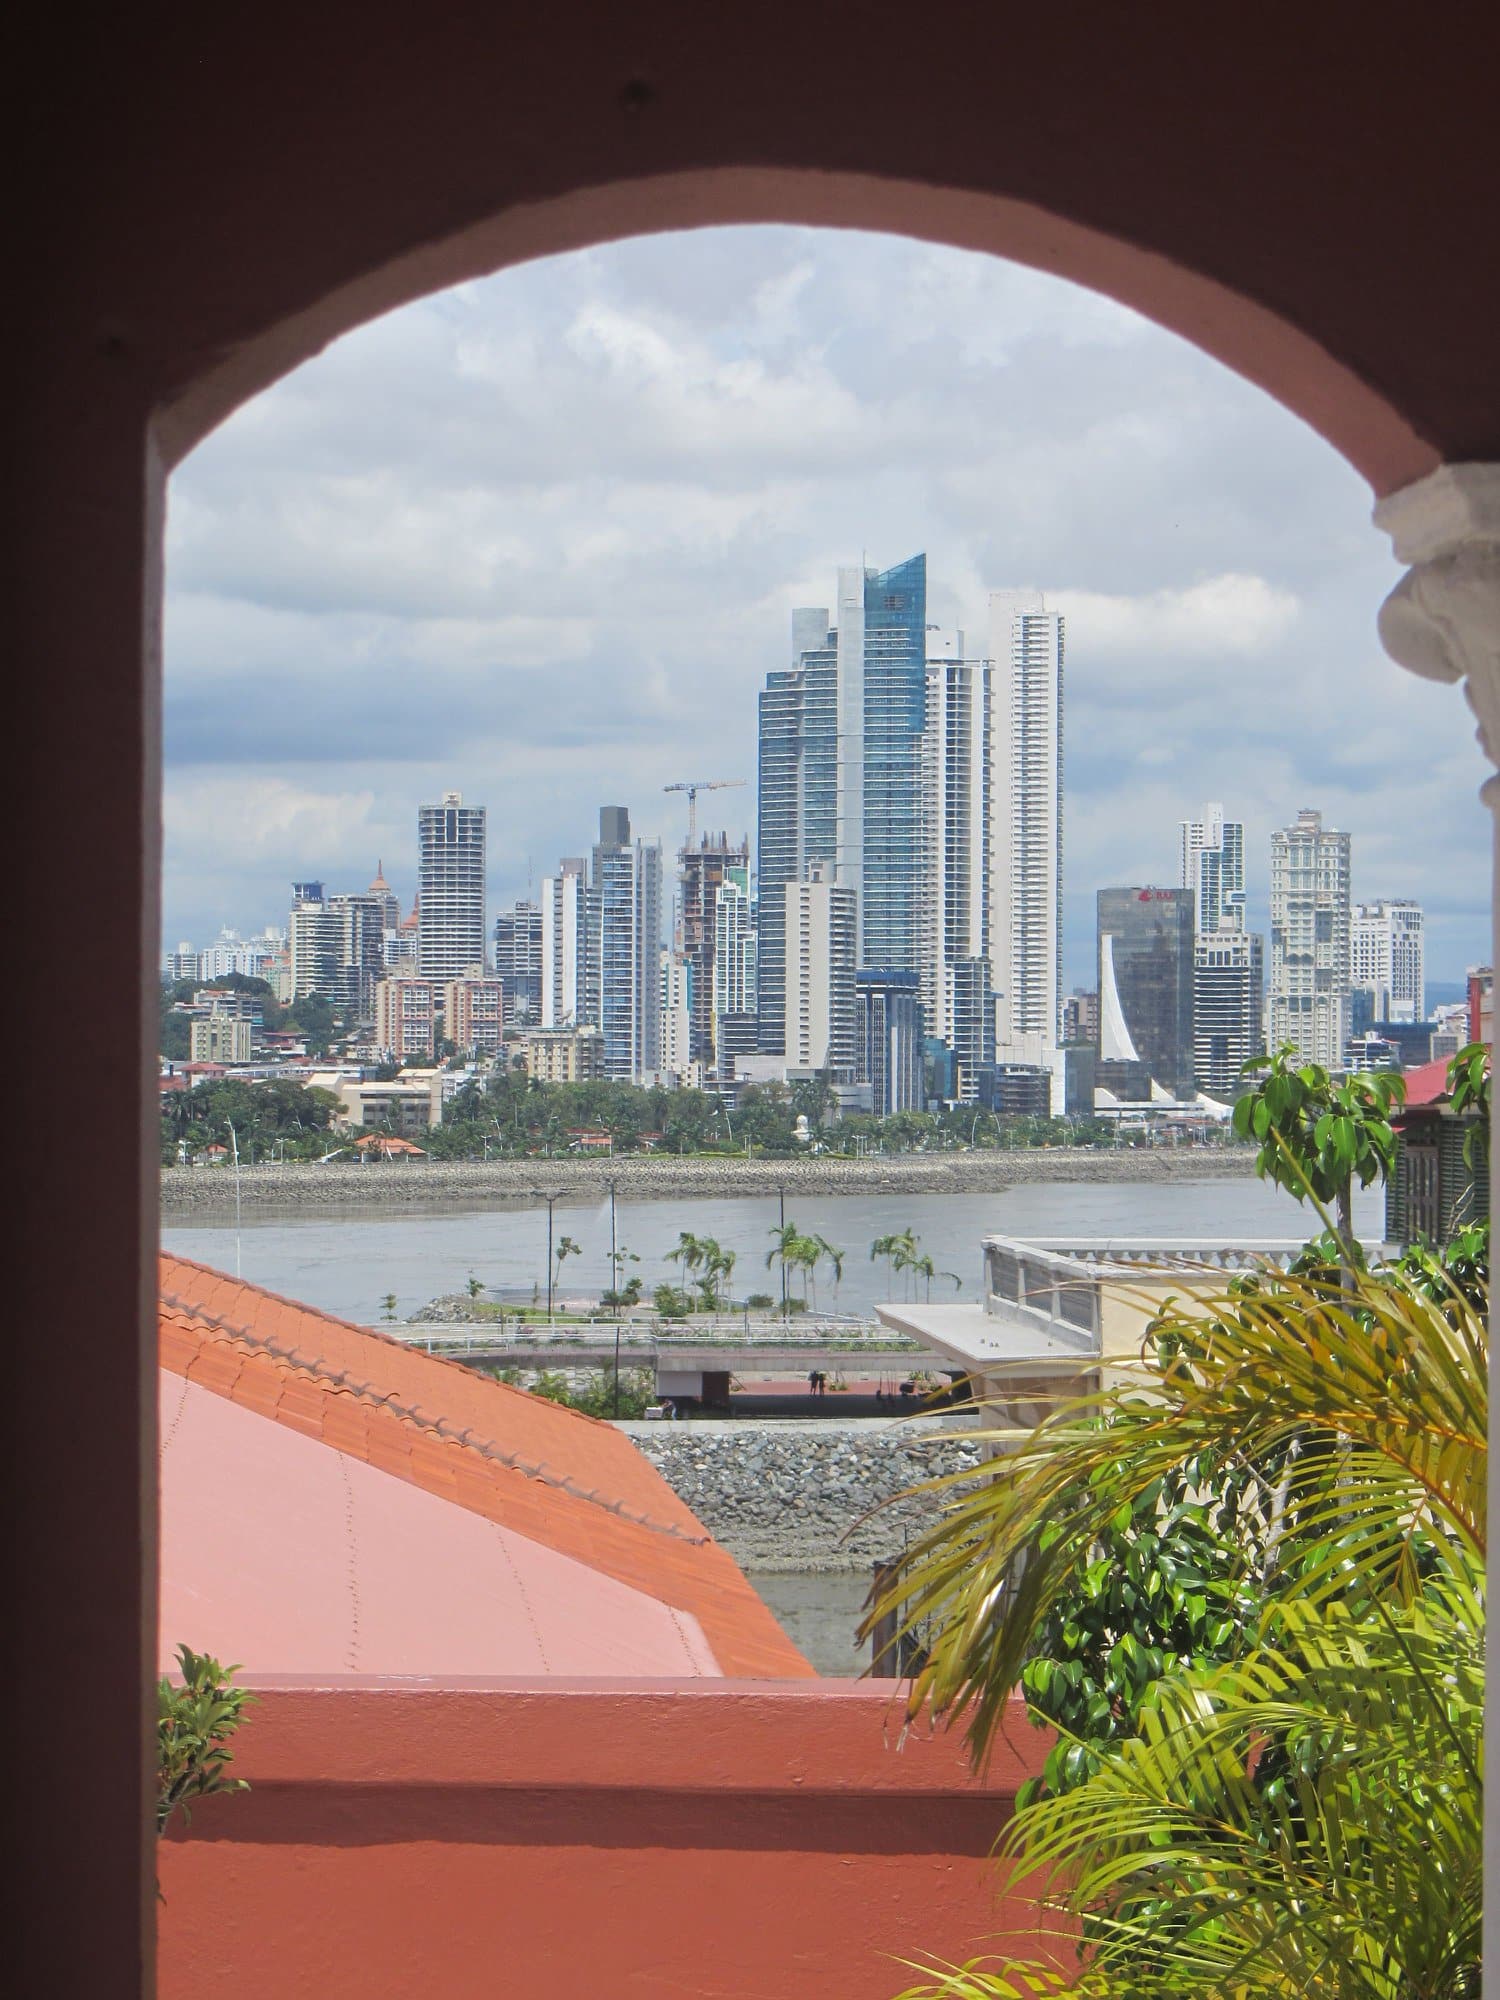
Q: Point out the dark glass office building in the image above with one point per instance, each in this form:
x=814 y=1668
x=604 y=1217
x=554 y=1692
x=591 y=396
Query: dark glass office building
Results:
x=1146 y=991
x=889 y=1026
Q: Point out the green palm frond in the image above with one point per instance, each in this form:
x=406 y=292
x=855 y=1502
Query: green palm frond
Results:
x=1391 y=1381
x=1355 y=1872
x=1303 y=1817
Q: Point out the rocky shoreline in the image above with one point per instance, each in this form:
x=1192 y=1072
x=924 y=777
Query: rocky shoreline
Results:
x=500 y=1183
x=788 y=1495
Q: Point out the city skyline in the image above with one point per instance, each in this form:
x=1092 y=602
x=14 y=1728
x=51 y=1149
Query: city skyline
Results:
x=599 y=486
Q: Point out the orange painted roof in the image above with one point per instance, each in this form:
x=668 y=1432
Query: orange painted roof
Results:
x=562 y=1479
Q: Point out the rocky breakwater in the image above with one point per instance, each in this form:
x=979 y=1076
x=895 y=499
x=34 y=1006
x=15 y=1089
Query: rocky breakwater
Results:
x=798 y=1495
x=341 y=1184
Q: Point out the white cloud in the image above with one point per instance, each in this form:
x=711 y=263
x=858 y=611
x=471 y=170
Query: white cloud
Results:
x=1224 y=617
x=539 y=538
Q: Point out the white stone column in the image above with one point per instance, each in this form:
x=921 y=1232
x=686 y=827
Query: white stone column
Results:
x=1443 y=621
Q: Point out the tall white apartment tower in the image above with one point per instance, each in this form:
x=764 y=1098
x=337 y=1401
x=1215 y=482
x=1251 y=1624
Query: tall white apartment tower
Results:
x=450 y=840
x=1387 y=959
x=565 y=938
x=822 y=930
x=1310 y=924
x=1026 y=816
x=624 y=951
x=1212 y=865
x=957 y=752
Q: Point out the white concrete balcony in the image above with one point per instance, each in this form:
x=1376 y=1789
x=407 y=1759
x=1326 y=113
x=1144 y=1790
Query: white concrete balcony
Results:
x=1054 y=1306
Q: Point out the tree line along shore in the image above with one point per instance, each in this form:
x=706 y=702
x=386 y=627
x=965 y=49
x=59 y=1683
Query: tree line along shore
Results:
x=437 y=1183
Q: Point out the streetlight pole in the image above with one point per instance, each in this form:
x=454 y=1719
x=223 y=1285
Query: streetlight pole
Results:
x=614 y=1285
x=234 y=1147
x=781 y=1198
x=542 y=1195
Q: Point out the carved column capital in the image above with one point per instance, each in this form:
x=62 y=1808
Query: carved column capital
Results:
x=1443 y=618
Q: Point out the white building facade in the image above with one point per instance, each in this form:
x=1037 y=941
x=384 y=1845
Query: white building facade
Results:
x=734 y=951
x=1387 y=960
x=450 y=844
x=623 y=985
x=677 y=970
x=1309 y=1005
x=565 y=934
x=822 y=940
x=957 y=761
x=1026 y=825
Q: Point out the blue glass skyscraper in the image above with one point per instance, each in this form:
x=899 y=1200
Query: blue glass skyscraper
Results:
x=841 y=772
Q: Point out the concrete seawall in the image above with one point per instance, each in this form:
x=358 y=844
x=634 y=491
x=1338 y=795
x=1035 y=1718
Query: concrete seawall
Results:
x=497 y=1183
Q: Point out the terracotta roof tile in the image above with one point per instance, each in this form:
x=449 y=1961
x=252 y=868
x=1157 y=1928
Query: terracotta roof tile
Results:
x=562 y=1479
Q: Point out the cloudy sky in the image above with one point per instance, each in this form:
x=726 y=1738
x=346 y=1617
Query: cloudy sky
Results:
x=539 y=539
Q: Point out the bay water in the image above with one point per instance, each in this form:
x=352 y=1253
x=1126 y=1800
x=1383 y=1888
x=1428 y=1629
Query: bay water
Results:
x=348 y=1261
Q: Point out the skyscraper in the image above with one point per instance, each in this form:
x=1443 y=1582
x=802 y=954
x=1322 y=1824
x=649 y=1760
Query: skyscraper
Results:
x=1212 y=865
x=565 y=947
x=677 y=979
x=840 y=773
x=1386 y=959
x=450 y=837
x=888 y=1027
x=702 y=871
x=969 y=999
x=1228 y=962
x=1310 y=922
x=1146 y=991
x=1228 y=1006
x=734 y=976
x=390 y=901
x=518 y=962
x=1026 y=645
x=821 y=940
x=956 y=775
x=337 y=946
x=624 y=939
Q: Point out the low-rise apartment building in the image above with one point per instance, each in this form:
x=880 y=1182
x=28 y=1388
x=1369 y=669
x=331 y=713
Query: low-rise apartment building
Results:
x=405 y=1017
x=474 y=1014
x=219 y=1038
x=564 y=1055
x=412 y=1103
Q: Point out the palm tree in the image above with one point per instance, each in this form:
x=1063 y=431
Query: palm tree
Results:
x=566 y=1247
x=893 y=1248
x=833 y=1257
x=689 y=1253
x=717 y=1263
x=1301 y=1815
x=785 y=1250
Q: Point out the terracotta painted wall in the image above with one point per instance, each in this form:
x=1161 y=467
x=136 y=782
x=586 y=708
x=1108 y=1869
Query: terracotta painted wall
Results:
x=744 y=1841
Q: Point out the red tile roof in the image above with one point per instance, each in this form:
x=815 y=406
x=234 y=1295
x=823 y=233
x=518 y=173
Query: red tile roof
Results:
x=1426 y=1084
x=564 y=1480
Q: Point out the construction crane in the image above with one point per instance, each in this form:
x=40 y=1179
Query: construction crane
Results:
x=693 y=787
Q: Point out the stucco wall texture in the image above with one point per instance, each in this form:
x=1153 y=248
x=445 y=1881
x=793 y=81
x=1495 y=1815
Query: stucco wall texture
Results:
x=576 y=1841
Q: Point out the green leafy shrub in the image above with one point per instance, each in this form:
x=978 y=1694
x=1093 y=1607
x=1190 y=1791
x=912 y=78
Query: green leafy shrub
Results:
x=194 y=1725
